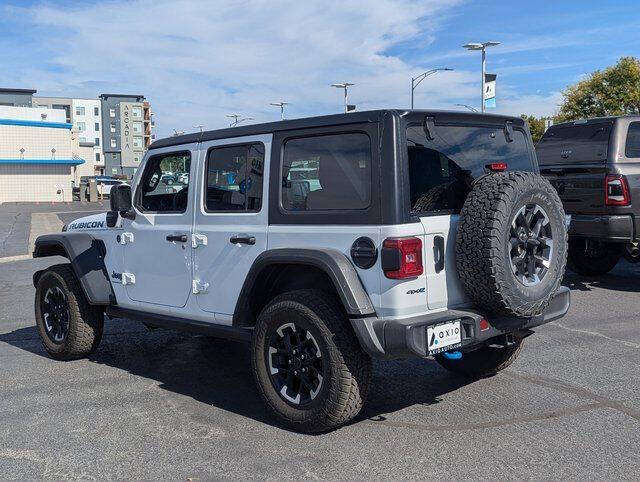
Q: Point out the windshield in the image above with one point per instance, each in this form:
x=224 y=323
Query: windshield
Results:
x=443 y=165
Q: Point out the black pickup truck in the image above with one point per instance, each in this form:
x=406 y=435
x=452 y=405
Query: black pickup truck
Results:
x=595 y=167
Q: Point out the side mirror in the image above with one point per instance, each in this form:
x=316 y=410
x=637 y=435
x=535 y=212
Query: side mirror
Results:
x=120 y=198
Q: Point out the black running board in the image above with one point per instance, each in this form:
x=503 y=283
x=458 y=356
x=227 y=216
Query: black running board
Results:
x=182 y=324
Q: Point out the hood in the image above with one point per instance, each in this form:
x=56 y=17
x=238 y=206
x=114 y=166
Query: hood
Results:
x=96 y=222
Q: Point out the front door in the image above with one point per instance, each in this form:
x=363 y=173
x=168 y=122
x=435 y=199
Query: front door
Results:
x=157 y=243
x=230 y=219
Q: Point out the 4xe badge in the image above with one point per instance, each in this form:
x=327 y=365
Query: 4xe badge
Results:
x=444 y=337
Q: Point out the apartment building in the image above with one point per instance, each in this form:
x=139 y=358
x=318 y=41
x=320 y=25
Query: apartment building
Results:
x=126 y=133
x=86 y=117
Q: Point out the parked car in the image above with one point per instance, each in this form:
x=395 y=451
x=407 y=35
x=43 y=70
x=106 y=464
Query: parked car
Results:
x=105 y=185
x=416 y=235
x=595 y=167
x=168 y=179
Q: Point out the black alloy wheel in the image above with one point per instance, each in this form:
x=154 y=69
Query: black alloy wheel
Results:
x=295 y=364
x=530 y=244
x=55 y=314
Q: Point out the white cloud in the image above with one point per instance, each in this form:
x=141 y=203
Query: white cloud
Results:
x=535 y=104
x=197 y=61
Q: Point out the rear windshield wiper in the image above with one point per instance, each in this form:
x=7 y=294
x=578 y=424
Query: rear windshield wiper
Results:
x=429 y=127
x=508 y=131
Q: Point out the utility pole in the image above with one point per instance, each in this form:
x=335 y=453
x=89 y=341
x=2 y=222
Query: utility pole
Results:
x=280 y=104
x=483 y=47
x=345 y=86
x=415 y=81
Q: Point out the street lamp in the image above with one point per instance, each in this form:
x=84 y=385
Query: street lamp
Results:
x=345 y=86
x=237 y=120
x=472 y=109
x=280 y=104
x=415 y=81
x=481 y=46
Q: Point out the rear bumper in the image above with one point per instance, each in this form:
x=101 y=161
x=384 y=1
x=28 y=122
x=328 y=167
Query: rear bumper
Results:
x=612 y=228
x=407 y=337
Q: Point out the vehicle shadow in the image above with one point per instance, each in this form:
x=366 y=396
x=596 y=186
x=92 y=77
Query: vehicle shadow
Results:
x=624 y=277
x=218 y=372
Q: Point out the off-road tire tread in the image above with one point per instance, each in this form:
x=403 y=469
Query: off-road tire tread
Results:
x=88 y=320
x=353 y=364
x=480 y=256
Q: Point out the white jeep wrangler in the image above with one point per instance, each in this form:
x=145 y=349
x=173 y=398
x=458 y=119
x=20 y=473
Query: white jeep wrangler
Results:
x=324 y=242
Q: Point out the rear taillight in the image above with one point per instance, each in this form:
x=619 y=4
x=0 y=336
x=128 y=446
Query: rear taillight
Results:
x=402 y=257
x=616 y=191
x=497 y=166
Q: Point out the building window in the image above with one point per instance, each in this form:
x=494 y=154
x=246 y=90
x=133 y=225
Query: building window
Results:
x=96 y=126
x=96 y=111
x=97 y=143
x=137 y=127
x=113 y=142
x=137 y=142
x=112 y=112
x=137 y=157
x=81 y=126
x=114 y=156
x=136 y=111
x=112 y=126
x=79 y=110
x=97 y=157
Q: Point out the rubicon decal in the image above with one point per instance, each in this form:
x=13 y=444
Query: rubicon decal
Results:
x=86 y=225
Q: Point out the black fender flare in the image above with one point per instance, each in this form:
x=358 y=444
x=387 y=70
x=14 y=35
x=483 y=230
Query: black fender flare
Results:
x=334 y=263
x=86 y=255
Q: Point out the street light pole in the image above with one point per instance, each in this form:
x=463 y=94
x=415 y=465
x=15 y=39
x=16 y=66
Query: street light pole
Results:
x=472 y=109
x=345 y=86
x=280 y=104
x=483 y=47
x=236 y=119
x=415 y=81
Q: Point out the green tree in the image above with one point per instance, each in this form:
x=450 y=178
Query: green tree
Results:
x=536 y=126
x=613 y=91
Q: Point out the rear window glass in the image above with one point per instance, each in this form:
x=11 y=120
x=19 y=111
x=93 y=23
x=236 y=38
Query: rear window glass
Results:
x=576 y=143
x=328 y=172
x=442 y=170
x=632 y=146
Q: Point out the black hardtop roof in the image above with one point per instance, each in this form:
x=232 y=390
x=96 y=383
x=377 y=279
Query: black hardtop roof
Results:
x=325 y=121
x=594 y=120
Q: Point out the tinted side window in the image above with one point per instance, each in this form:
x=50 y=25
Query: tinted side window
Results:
x=328 y=172
x=155 y=196
x=632 y=146
x=577 y=143
x=234 y=178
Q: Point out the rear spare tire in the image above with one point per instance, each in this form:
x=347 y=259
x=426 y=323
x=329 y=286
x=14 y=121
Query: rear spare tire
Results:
x=511 y=244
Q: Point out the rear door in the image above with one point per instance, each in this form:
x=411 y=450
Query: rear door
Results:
x=442 y=168
x=230 y=219
x=573 y=158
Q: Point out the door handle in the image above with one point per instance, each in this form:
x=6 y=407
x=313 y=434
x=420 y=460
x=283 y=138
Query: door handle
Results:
x=237 y=239
x=178 y=238
x=438 y=244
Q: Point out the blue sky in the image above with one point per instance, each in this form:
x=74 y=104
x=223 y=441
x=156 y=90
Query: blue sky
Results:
x=197 y=61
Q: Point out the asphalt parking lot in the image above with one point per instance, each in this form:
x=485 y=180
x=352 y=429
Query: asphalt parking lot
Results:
x=160 y=404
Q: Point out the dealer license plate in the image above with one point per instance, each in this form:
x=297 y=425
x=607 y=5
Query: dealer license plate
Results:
x=444 y=337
